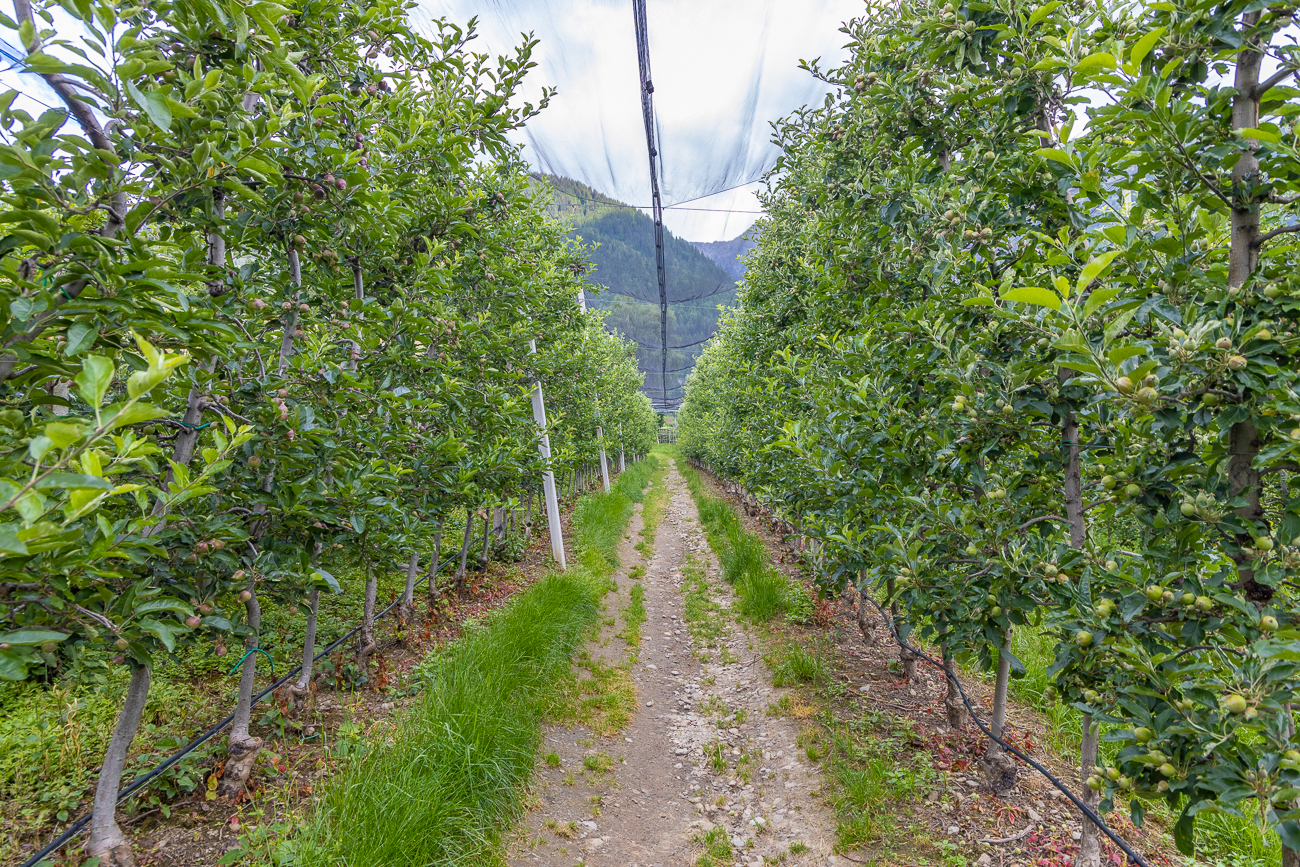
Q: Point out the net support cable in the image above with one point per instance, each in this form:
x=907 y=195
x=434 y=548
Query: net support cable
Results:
x=648 y=117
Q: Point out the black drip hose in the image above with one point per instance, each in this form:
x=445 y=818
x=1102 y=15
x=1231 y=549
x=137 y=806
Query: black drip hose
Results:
x=1087 y=811
x=138 y=784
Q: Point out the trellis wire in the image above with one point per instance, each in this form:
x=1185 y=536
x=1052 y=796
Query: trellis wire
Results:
x=76 y=827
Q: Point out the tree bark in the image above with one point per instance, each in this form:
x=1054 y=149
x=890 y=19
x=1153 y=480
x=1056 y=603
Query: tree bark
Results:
x=406 y=611
x=107 y=842
x=464 y=548
x=1090 y=843
x=954 y=708
x=865 y=626
x=303 y=685
x=435 y=556
x=368 y=645
x=999 y=767
x=906 y=657
x=1243 y=257
x=487 y=541
x=241 y=747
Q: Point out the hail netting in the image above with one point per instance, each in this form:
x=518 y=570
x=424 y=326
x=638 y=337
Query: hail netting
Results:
x=723 y=71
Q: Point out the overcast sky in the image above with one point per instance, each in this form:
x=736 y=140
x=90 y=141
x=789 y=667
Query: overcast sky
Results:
x=722 y=71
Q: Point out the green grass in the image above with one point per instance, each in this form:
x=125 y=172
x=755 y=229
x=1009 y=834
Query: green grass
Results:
x=446 y=781
x=762 y=592
x=794 y=664
x=633 y=616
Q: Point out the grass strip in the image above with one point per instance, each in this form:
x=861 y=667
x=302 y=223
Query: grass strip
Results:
x=446 y=781
x=763 y=592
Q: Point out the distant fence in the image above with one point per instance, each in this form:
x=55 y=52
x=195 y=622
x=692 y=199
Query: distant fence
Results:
x=668 y=435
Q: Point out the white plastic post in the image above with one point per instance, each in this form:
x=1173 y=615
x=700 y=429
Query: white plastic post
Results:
x=604 y=464
x=548 y=477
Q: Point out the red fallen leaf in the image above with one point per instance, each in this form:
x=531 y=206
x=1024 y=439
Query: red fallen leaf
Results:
x=234 y=823
x=1043 y=862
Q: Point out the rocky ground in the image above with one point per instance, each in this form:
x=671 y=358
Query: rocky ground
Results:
x=707 y=770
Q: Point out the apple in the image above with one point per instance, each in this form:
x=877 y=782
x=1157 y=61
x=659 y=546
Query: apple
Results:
x=1293 y=755
x=995 y=611
x=1188 y=599
x=254 y=461
x=1143 y=734
x=1132 y=490
x=1124 y=385
x=1268 y=623
x=238 y=575
x=1111 y=565
x=1091 y=696
x=245 y=595
x=1235 y=703
x=1211 y=399
x=192 y=621
x=1095 y=783
x=221 y=650
x=1155 y=593
x=1188 y=509
x=1168 y=770
x=1224 y=343
x=1083 y=638
x=205 y=608
x=1263 y=334
x=1204 y=603
x=1264 y=543
x=1236 y=362
x=1108 y=482
x=120 y=644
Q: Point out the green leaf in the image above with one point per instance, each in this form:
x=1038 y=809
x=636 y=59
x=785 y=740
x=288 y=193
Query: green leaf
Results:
x=1033 y=295
x=1055 y=154
x=1098 y=298
x=1259 y=134
x=1093 y=62
x=152 y=606
x=81 y=336
x=1143 y=47
x=1184 y=832
x=1093 y=270
x=74 y=480
x=143 y=381
x=329 y=580
x=135 y=414
x=9 y=541
x=979 y=301
x=63 y=434
x=1120 y=353
x=160 y=631
x=92 y=382
x=1017 y=667
x=31 y=636
x=1041 y=12
x=12 y=666
x=153 y=105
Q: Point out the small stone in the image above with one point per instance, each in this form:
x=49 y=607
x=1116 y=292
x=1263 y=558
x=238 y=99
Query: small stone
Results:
x=650 y=704
x=1076 y=836
x=1033 y=814
x=866 y=687
x=953 y=830
x=738 y=841
x=651 y=665
x=985 y=860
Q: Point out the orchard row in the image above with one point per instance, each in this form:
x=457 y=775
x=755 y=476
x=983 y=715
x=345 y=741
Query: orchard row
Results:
x=278 y=293
x=1012 y=371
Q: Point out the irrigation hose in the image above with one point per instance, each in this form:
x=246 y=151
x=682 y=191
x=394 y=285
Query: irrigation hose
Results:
x=1087 y=811
x=77 y=826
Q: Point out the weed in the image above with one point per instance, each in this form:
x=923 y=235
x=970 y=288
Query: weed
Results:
x=717 y=848
x=715 y=755
x=637 y=572
x=798 y=847
x=598 y=763
x=795 y=664
x=634 y=616
x=553 y=759
x=568 y=778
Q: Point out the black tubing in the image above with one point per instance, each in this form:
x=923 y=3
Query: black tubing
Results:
x=138 y=784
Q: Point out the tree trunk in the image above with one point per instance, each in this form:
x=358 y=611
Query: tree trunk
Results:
x=107 y=842
x=487 y=541
x=291 y=322
x=1243 y=257
x=999 y=767
x=368 y=645
x=906 y=657
x=241 y=747
x=303 y=685
x=865 y=625
x=954 y=708
x=1090 y=843
x=464 y=548
x=528 y=517
x=435 y=561
x=406 y=611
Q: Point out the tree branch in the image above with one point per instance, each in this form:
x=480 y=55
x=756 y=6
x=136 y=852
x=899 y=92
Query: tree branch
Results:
x=1281 y=230
x=1273 y=80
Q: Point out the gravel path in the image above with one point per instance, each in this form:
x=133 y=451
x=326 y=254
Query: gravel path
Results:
x=701 y=767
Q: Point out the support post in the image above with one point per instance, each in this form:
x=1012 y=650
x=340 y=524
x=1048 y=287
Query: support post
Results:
x=604 y=463
x=548 y=477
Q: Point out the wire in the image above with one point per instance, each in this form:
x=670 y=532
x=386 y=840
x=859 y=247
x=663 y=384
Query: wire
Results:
x=718 y=192
x=952 y=678
x=138 y=784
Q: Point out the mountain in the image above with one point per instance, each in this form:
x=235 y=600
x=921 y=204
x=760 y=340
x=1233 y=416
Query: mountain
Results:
x=726 y=254
x=627 y=285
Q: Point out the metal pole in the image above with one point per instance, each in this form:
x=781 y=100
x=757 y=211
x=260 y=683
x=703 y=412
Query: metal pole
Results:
x=548 y=477
x=648 y=118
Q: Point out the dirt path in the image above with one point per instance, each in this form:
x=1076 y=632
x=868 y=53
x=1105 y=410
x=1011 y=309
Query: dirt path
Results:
x=701 y=774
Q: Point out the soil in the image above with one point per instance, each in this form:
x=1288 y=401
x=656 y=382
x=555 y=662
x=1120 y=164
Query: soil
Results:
x=657 y=797
x=1033 y=824
x=192 y=830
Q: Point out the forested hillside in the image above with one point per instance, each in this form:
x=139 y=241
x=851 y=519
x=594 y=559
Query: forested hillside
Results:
x=726 y=254
x=624 y=257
